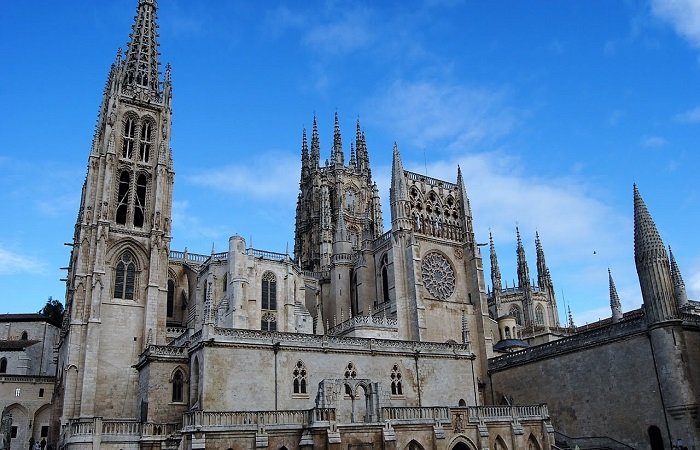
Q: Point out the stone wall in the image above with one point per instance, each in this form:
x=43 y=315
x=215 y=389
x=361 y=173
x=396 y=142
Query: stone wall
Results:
x=606 y=388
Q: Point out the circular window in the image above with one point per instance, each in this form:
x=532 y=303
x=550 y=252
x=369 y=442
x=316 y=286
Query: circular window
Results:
x=438 y=275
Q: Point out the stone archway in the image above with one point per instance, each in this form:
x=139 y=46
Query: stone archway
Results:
x=462 y=442
x=355 y=400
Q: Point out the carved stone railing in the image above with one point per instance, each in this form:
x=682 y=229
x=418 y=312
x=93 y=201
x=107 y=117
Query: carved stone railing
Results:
x=81 y=427
x=318 y=275
x=86 y=428
x=165 y=350
x=27 y=379
x=122 y=427
x=270 y=256
x=220 y=255
x=245 y=419
x=382 y=240
x=363 y=322
x=507 y=413
x=416 y=413
x=187 y=256
x=429 y=181
x=571 y=343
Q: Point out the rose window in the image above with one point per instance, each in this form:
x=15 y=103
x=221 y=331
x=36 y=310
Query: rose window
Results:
x=438 y=275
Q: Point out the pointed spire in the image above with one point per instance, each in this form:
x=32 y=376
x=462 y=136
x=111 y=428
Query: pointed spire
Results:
x=678 y=284
x=337 y=154
x=142 y=69
x=315 y=145
x=653 y=267
x=571 y=318
x=544 y=279
x=398 y=194
x=467 y=225
x=615 y=305
x=523 y=271
x=304 y=154
x=353 y=161
x=495 y=270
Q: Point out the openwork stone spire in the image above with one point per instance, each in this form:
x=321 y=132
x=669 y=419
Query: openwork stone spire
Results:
x=337 y=156
x=523 y=270
x=398 y=193
x=141 y=69
x=678 y=284
x=615 y=305
x=315 y=145
x=653 y=267
x=495 y=270
x=543 y=277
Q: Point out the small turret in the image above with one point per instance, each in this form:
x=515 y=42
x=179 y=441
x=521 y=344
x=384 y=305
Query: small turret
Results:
x=678 y=285
x=615 y=305
x=653 y=267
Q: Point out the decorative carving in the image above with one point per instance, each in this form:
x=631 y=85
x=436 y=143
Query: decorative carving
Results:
x=438 y=275
x=459 y=253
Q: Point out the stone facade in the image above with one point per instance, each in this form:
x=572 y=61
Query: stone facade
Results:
x=361 y=339
x=27 y=368
x=633 y=377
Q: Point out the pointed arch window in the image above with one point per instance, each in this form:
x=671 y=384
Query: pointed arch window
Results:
x=269 y=291
x=539 y=315
x=268 y=322
x=146 y=141
x=125 y=277
x=123 y=197
x=140 y=205
x=396 y=385
x=299 y=378
x=171 y=299
x=25 y=336
x=3 y=365
x=129 y=137
x=515 y=312
x=225 y=282
x=178 y=379
x=385 y=278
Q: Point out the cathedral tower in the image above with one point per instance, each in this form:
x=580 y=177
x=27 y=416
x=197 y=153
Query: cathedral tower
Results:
x=329 y=190
x=117 y=276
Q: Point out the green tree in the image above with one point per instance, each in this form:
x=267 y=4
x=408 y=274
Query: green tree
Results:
x=53 y=309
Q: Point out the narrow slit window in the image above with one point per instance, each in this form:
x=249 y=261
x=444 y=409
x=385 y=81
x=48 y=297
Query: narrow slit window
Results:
x=171 y=298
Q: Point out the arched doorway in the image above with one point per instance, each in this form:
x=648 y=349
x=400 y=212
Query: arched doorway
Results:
x=461 y=446
x=414 y=445
x=655 y=439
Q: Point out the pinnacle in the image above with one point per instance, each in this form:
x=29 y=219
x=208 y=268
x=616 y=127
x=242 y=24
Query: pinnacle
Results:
x=646 y=237
x=142 y=52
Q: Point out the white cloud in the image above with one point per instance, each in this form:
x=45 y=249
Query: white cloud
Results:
x=11 y=262
x=426 y=111
x=690 y=116
x=346 y=31
x=653 y=141
x=270 y=176
x=682 y=15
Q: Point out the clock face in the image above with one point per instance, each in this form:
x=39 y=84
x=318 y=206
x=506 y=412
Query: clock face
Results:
x=438 y=275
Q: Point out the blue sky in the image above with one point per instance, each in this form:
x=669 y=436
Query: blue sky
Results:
x=552 y=110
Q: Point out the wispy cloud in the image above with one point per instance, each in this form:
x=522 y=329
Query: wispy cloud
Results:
x=11 y=262
x=682 y=15
x=653 y=141
x=348 y=31
x=188 y=226
x=425 y=112
x=271 y=176
x=690 y=116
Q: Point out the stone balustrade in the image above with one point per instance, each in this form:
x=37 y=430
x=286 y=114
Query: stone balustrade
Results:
x=363 y=321
x=507 y=413
x=254 y=419
x=85 y=430
x=416 y=413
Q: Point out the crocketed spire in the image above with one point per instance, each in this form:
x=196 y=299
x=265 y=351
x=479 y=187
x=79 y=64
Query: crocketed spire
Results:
x=678 y=284
x=398 y=194
x=543 y=278
x=653 y=267
x=523 y=270
x=495 y=270
x=304 y=150
x=337 y=156
x=315 y=145
x=141 y=67
x=615 y=305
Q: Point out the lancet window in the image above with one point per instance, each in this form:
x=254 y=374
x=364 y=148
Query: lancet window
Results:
x=396 y=387
x=268 y=322
x=123 y=197
x=539 y=315
x=299 y=374
x=178 y=380
x=129 y=136
x=170 y=308
x=269 y=291
x=140 y=203
x=146 y=140
x=125 y=277
x=515 y=312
